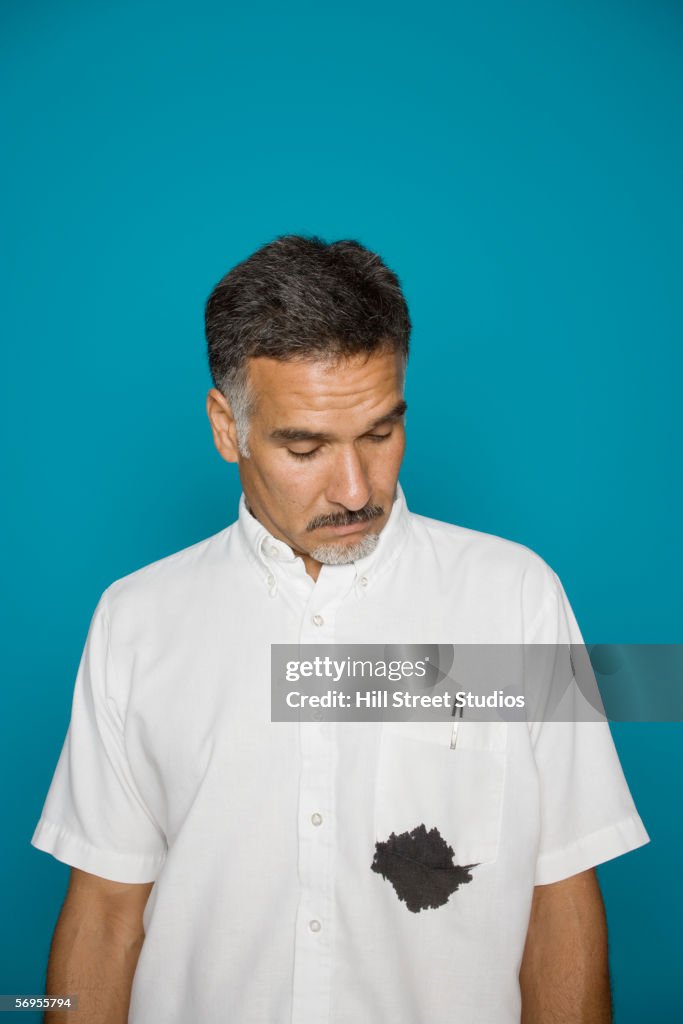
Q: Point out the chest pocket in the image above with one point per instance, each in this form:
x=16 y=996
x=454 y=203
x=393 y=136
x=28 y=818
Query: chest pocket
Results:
x=426 y=776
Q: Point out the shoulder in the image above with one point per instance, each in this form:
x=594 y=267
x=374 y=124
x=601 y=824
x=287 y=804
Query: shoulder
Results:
x=172 y=583
x=487 y=564
x=475 y=546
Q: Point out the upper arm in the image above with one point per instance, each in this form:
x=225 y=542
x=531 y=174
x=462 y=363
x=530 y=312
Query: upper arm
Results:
x=568 y=913
x=117 y=904
x=572 y=902
x=564 y=974
x=95 y=817
x=582 y=887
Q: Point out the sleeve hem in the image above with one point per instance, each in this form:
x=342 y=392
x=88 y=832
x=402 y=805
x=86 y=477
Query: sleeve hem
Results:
x=590 y=850
x=78 y=853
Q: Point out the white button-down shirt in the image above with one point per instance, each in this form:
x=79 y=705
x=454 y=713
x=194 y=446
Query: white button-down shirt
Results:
x=260 y=836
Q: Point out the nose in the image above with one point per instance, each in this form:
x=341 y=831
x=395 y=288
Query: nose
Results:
x=349 y=485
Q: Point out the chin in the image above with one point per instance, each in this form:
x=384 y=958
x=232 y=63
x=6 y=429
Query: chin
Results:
x=341 y=554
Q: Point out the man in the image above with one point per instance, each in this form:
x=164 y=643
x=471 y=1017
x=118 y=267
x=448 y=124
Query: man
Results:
x=228 y=868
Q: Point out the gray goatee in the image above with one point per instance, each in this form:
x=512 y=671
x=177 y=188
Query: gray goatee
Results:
x=342 y=554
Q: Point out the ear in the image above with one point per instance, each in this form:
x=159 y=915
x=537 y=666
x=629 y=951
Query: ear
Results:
x=222 y=424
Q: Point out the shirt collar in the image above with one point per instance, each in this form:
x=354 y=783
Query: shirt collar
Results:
x=269 y=552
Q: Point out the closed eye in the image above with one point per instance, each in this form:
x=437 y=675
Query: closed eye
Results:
x=375 y=438
x=303 y=455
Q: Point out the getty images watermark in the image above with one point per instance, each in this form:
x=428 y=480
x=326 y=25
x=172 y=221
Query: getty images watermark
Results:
x=479 y=682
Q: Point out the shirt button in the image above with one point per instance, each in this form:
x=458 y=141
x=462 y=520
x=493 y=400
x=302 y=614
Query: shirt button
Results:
x=270 y=580
x=317 y=819
x=273 y=551
x=318 y=620
x=363 y=581
x=315 y=926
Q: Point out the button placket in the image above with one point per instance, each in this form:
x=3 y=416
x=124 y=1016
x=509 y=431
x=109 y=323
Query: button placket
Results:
x=331 y=589
x=315 y=923
x=313 y=956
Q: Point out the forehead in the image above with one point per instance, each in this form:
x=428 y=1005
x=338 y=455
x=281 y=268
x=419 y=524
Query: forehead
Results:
x=303 y=390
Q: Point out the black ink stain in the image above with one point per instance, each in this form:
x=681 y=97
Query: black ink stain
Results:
x=419 y=865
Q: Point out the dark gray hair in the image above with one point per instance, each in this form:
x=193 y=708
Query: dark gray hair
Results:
x=301 y=298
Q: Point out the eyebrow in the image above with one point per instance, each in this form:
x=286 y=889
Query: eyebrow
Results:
x=297 y=434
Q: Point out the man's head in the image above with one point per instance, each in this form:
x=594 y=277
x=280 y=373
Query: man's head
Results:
x=308 y=343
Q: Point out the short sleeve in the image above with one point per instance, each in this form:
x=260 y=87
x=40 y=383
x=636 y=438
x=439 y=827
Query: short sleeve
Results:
x=94 y=817
x=587 y=813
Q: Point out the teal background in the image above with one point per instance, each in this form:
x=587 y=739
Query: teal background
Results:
x=519 y=165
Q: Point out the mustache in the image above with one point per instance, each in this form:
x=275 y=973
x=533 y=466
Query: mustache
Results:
x=363 y=515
